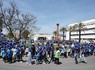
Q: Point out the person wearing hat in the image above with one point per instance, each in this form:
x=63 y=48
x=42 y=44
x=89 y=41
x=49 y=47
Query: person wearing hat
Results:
x=4 y=53
x=9 y=55
x=32 y=49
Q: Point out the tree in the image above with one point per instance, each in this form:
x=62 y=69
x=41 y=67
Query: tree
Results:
x=25 y=21
x=70 y=29
x=9 y=35
x=54 y=33
x=15 y=21
x=79 y=27
x=63 y=29
x=25 y=34
x=9 y=21
x=1 y=16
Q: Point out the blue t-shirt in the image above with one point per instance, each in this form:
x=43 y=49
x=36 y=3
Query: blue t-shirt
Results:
x=9 y=52
x=77 y=45
x=3 y=50
x=48 y=47
x=1 y=35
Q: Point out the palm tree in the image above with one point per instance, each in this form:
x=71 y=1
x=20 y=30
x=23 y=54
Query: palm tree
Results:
x=63 y=29
x=70 y=29
x=54 y=34
x=79 y=27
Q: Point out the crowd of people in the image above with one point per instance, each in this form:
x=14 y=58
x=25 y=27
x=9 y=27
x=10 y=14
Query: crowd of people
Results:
x=14 y=51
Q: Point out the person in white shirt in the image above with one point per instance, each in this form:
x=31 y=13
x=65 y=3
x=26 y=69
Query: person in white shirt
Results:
x=14 y=50
x=29 y=60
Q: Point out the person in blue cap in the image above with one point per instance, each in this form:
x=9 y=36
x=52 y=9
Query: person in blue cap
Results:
x=52 y=53
x=44 y=56
x=21 y=54
x=39 y=56
x=48 y=48
x=4 y=54
x=94 y=49
x=33 y=50
x=77 y=51
x=1 y=35
x=18 y=54
x=9 y=55
x=39 y=48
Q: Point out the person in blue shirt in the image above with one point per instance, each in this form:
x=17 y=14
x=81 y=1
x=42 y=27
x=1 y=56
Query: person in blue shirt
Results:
x=9 y=55
x=33 y=50
x=18 y=53
x=23 y=48
x=18 y=44
x=4 y=54
x=48 y=48
x=39 y=48
x=39 y=56
x=23 y=44
x=52 y=52
x=77 y=51
x=1 y=35
x=21 y=54
x=77 y=45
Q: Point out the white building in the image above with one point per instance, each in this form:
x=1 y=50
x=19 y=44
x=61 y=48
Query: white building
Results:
x=38 y=36
x=88 y=34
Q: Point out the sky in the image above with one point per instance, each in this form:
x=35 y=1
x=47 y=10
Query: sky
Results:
x=51 y=12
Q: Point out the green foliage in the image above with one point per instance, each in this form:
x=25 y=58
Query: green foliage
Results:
x=10 y=35
x=63 y=29
x=54 y=32
x=25 y=34
x=79 y=27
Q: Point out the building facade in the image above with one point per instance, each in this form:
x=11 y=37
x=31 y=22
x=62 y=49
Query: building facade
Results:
x=41 y=36
x=88 y=34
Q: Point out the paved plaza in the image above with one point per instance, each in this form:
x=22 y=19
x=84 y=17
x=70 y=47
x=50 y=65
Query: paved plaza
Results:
x=67 y=64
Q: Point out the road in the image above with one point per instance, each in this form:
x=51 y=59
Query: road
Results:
x=67 y=64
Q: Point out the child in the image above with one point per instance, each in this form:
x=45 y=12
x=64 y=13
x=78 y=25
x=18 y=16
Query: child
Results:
x=82 y=58
x=38 y=57
x=4 y=53
x=14 y=50
x=29 y=58
x=76 y=57
x=26 y=51
x=9 y=55
x=94 y=51
x=57 y=56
